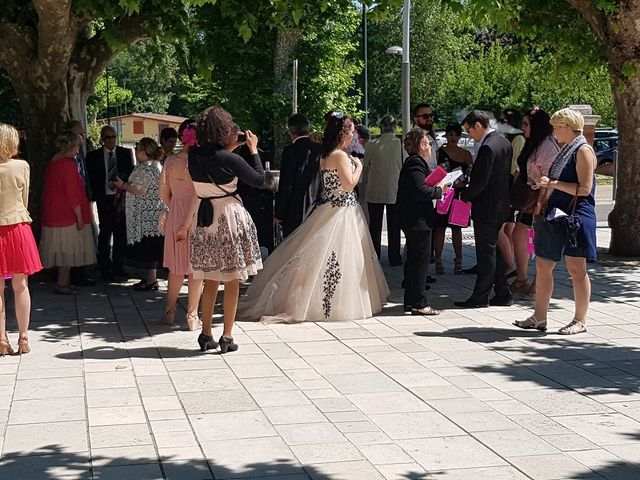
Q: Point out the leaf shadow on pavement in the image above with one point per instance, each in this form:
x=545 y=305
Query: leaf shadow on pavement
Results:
x=52 y=461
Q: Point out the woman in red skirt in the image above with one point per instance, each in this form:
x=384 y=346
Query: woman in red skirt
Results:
x=18 y=251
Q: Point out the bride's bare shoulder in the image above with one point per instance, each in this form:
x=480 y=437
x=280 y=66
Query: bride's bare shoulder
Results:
x=335 y=159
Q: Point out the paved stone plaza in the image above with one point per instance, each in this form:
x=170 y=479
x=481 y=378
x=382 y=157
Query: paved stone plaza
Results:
x=107 y=393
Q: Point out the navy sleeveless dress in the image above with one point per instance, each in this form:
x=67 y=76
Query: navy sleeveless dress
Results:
x=585 y=209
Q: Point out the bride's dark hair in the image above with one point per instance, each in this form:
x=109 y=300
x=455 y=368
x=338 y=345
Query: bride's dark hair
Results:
x=338 y=127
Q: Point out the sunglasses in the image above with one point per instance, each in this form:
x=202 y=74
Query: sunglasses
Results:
x=425 y=115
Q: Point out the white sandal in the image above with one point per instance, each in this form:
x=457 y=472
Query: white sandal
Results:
x=531 y=323
x=574 y=327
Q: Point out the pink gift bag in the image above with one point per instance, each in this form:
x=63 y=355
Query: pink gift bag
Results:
x=435 y=177
x=443 y=205
x=460 y=213
x=531 y=235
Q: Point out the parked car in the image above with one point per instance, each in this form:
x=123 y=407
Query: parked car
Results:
x=605 y=143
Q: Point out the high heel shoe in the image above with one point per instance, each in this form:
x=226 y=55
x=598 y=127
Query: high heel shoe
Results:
x=206 y=343
x=169 y=316
x=227 y=345
x=5 y=347
x=143 y=286
x=23 y=345
x=193 y=322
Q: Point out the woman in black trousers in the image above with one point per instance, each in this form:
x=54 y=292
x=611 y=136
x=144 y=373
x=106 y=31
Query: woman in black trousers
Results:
x=417 y=219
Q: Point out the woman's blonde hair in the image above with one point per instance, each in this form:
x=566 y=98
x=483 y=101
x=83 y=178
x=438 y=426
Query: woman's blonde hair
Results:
x=150 y=147
x=66 y=141
x=569 y=117
x=9 y=141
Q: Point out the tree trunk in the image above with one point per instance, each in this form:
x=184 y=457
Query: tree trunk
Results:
x=624 y=220
x=286 y=42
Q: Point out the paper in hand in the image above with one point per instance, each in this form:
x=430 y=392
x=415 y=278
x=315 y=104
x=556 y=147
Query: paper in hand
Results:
x=452 y=176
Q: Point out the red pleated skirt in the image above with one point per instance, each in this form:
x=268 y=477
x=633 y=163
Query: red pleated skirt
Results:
x=18 y=250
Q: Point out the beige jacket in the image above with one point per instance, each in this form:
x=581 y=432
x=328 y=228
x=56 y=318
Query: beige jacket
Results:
x=383 y=161
x=14 y=192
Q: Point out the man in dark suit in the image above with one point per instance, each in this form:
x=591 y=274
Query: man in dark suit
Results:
x=103 y=166
x=488 y=192
x=299 y=183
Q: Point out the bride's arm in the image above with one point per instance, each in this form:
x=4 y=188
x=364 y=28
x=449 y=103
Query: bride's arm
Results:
x=349 y=176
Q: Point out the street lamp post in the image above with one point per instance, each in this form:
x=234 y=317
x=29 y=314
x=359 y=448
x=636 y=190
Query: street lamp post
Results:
x=406 y=66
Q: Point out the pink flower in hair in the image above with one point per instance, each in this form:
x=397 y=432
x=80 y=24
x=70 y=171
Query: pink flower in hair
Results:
x=188 y=136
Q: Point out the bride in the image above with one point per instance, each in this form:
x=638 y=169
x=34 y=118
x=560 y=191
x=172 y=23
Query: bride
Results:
x=327 y=269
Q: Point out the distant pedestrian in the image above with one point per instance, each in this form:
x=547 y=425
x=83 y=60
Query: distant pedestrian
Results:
x=19 y=256
x=66 y=240
x=145 y=243
x=488 y=191
x=424 y=117
x=572 y=184
x=177 y=192
x=299 y=184
x=383 y=162
x=168 y=142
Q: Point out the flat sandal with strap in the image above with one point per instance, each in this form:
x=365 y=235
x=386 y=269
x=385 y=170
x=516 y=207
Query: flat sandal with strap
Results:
x=531 y=323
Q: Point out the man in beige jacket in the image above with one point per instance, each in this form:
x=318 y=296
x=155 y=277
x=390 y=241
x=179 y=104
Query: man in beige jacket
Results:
x=383 y=160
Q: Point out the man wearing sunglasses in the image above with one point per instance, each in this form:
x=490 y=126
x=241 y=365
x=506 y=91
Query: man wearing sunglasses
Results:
x=423 y=117
x=103 y=166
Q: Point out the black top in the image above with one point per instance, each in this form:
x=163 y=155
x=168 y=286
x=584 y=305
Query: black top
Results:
x=299 y=184
x=414 y=203
x=450 y=163
x=488 y=189
x=209 y=163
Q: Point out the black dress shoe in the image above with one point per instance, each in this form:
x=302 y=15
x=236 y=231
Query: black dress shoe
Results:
x=471 y=303
x=502 y=301
x=471 y=271
x=431 y=279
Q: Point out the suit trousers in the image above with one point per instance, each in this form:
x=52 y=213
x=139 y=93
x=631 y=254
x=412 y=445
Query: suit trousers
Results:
x=376 y=212
x=112 y=225
x=491 y=266
x=416 y=266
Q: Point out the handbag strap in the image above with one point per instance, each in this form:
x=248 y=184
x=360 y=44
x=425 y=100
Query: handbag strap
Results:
x=574 y=202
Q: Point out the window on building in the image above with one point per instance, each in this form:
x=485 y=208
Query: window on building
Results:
x=138 y=127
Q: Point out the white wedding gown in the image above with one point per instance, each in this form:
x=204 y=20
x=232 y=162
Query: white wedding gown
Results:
x=327 y=269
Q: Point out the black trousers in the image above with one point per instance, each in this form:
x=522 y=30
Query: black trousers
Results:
x=112 y=225
x=376 y=212
x=418 y=250
x=491 y=265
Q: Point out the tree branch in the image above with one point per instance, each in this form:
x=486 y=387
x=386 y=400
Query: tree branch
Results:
x=594 y=17
x=91 y=57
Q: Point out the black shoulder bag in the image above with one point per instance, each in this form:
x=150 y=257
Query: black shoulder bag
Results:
x=553 y=236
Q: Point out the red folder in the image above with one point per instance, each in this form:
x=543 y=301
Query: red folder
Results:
x=435 y=177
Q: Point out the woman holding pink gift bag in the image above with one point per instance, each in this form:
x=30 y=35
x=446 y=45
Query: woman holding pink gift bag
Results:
x=451 y=157
x=417 y=219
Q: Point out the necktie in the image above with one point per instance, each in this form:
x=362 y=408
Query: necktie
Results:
x=81 y=171
x=112 y=169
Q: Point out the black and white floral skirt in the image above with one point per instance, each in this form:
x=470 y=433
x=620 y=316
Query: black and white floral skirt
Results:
x=228 y=249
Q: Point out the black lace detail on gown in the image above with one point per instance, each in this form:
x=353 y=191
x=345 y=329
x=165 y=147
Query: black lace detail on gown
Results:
x=332 y=277
x=332 y=191
x=224 y=251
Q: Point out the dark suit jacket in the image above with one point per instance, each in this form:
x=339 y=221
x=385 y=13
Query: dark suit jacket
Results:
x=97 y=170
x=414 y=203
x=299 y=183
x=488 y=189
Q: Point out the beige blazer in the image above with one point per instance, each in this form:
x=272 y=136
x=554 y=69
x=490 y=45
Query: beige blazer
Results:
x=14 y=192
x=383 y=161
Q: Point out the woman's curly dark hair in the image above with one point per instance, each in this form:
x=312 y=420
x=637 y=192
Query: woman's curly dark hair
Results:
x=338 y=127
x=215 y=127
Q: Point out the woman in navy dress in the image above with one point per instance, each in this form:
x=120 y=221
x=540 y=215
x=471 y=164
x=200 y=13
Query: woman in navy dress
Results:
x=572 y=171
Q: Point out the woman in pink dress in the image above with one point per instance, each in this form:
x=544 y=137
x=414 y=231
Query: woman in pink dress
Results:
x=18 y=251
x=177 y=191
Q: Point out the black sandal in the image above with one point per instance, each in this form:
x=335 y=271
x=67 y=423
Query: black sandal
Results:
x=143 y=286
